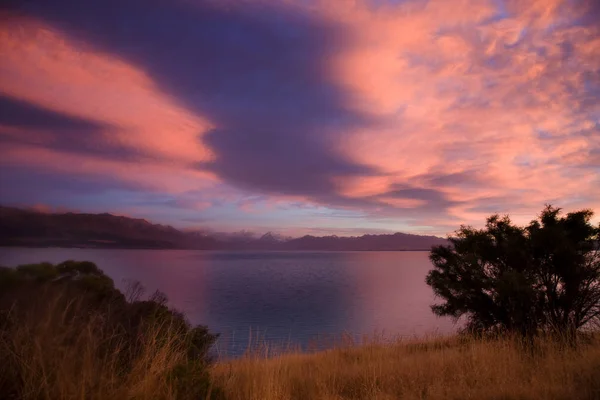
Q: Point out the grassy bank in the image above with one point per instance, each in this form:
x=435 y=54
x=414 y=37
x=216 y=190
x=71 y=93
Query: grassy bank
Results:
x=450 y=368
x=67 y=333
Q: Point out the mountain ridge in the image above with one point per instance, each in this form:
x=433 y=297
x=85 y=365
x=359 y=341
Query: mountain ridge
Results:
x=29 y=228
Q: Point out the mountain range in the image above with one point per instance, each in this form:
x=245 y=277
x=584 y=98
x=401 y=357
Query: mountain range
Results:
x=25 y=227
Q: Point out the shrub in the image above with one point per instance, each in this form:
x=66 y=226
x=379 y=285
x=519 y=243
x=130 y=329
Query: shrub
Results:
x=542 y=277
x=67 y=332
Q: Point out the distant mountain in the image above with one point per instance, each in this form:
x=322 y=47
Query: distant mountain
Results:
x=396 y=241
x=19 y=227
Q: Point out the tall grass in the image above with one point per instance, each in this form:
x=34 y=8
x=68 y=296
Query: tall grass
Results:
x=61 y=352
x=55 y=359
x=67 y=335
x=59 y=339
x=437 y=368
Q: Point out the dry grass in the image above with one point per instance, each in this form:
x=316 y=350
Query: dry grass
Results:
x=443 y=368
x=55 y=358
x=59 y=353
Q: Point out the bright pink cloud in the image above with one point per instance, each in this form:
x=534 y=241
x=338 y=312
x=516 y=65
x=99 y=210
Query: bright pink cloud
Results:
x=478 y=109
x=466 y=90
x=44 y=67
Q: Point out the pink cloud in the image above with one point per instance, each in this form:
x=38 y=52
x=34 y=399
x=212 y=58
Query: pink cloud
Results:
x=166 y=177
x=484 y=108
x=462 y=90
x=48 y=69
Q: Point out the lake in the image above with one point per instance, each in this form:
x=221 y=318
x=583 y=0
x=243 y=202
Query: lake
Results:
x=283 y=298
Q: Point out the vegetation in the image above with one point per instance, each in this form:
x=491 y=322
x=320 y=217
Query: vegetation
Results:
x=544 y=277
x=67 y=333
x=445 y=368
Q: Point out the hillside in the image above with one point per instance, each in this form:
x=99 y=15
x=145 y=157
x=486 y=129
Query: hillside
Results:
x=20 y=227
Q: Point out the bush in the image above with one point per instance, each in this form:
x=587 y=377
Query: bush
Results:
x=544 y=277
x=67 y=332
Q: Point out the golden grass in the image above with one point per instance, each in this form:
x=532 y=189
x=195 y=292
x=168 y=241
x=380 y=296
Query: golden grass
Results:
x=49 y=355
x=56 y=356
x=442 y=368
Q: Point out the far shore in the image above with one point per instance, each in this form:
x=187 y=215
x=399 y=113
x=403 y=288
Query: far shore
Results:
x=34 y=246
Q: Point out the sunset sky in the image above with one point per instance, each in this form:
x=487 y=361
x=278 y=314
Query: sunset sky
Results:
x=307 y=116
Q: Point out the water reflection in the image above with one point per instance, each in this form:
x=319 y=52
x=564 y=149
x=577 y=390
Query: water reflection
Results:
x=286 y=297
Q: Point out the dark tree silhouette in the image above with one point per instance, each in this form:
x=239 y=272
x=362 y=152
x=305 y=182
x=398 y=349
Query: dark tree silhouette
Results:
x=542 y=277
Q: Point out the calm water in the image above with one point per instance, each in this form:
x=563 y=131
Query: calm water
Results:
x=287 y=297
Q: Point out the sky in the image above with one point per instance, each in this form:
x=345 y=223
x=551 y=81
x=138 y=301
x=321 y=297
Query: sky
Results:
x=301 y=117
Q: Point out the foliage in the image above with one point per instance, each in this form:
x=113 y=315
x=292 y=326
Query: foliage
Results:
x=66 y=331
x=542 y=277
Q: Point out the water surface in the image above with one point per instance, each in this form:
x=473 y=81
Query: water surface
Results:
x=282 y=297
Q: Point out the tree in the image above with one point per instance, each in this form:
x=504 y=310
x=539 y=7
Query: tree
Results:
x=542 y=277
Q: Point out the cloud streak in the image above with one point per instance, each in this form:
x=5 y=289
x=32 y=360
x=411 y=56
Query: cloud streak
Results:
x=415 y=115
